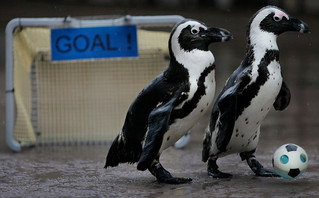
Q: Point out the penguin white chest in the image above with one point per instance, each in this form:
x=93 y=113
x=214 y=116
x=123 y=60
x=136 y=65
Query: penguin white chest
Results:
x=181 y=126
x=245 y=135
x=205 y=101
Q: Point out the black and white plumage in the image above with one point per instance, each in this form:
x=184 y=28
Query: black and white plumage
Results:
x=172 y=103
x=250 y=92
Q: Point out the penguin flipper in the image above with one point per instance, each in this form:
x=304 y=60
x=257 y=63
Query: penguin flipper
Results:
x=283 y=98
x=228 y=110
x=222 y=120
x=227 y=107
x=235 y=83
x=158 y=124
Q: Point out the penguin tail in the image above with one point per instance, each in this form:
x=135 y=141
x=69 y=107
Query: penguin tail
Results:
x=122 y=151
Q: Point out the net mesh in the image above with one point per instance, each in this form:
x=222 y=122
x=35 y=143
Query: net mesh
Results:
x=84 y=101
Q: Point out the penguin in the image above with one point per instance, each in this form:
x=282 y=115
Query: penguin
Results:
x=172 y=103
x=249 y=93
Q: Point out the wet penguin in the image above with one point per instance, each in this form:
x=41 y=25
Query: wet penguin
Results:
x=250 y=92
x=172 y=103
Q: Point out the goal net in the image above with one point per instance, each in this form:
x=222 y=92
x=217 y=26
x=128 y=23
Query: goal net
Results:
x=78 y=101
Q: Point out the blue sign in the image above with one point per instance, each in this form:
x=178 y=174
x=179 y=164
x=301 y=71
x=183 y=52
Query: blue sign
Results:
x=94 y=42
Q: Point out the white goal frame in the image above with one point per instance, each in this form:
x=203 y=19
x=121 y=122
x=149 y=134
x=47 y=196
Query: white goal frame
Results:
x=66 y=22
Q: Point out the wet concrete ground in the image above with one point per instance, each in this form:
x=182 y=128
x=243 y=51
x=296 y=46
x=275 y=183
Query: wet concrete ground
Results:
x=78 y=171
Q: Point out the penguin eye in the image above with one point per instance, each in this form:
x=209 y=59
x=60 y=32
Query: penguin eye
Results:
x=277 y=18
x=194 y=31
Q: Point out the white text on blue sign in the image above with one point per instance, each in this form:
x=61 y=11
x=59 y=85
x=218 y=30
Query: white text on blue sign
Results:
x=94 y=42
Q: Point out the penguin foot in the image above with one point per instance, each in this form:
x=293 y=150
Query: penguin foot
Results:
x=218 y=174
x=262 y=172
x=213 y=171
x=256 y=167
x=174 y=180
x=163 y=176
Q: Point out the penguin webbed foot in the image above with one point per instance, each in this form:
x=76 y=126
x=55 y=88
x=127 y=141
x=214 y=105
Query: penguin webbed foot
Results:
x=163 y=176
x=174 y=180
x=218 y=174
x=212 y=170
x=263 y=172
x=256 y=166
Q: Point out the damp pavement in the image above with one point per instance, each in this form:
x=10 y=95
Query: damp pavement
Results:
x=78 y=171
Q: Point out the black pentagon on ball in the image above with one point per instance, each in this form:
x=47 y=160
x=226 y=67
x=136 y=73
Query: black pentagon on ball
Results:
x=294 y=172
x=291 y=147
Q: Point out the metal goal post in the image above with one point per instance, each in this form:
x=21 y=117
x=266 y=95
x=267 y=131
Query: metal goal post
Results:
x=81 y=100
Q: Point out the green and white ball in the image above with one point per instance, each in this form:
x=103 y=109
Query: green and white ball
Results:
x=290 y=161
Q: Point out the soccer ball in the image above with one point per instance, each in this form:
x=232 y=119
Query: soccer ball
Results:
x=290 y=161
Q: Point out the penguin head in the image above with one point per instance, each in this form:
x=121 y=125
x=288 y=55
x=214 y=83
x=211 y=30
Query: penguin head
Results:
x=189 y=35
x=274 y=20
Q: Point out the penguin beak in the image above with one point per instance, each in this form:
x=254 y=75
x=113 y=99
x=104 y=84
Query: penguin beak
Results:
x=298 y=25
x=218 y=34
